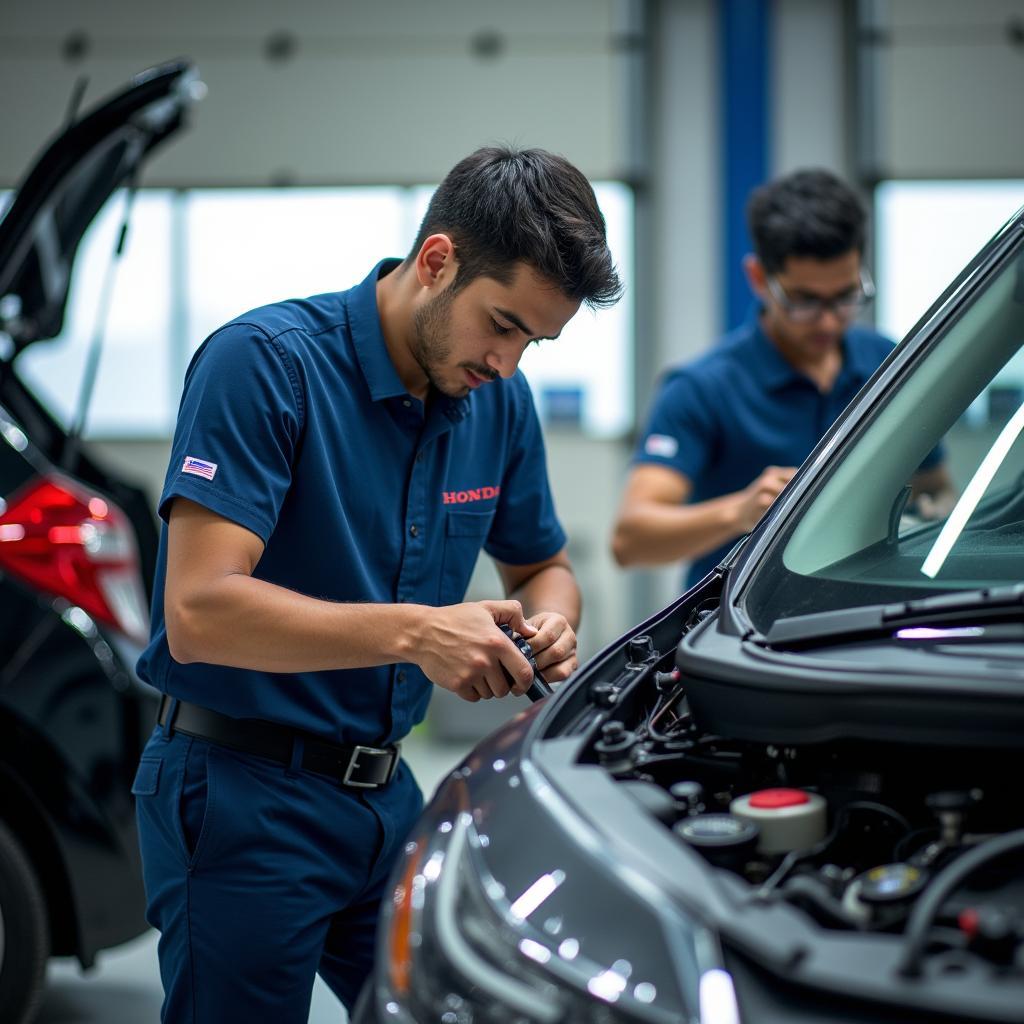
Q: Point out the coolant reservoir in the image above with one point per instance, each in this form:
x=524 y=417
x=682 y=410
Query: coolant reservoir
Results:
x=789 y=819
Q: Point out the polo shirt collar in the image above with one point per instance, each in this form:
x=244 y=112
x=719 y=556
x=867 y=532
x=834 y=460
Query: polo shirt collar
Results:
x=456 y=409
x=766 y=360
x=368 y=339
x=372 y=351
x=772 y=369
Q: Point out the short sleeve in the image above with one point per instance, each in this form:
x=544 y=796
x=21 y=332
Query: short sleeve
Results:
x=525 y=528
x=238 y=429
x=680 y=429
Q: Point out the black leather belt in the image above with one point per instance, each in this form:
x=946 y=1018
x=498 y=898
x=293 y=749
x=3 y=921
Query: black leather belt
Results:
x=351 y=764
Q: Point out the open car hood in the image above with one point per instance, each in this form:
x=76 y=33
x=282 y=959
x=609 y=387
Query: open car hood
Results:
x=69 y=183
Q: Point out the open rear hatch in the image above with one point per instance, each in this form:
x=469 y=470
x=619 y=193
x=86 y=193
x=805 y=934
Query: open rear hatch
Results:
x=69 y=183
x=56 y=201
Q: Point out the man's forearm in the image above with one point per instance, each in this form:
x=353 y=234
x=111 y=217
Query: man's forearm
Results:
x=653 y=533
x=245 y=622
x=552 y=589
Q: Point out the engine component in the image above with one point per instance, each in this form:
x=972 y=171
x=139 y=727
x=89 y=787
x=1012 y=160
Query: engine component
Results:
x=943 y=885
x=995 y=932
x=813 y=893
x=788 y=819
x=687 y=798
x=882 y=895
x=951 y=807
x=666 y=682
x=641 y=650
x=891 y=883
x=602 y=694
x=615 y=747
x=723 y=839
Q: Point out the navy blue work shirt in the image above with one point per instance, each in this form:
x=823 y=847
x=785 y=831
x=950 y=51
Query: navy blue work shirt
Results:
x=295 y=425
x=739 y=408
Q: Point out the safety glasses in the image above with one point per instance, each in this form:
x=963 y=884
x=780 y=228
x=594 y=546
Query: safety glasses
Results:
x=807 y=309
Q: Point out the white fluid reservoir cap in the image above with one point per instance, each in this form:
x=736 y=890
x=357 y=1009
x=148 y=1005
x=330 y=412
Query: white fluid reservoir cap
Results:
x=789 y=819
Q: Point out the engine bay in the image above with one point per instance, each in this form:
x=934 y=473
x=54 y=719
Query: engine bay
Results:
x=921 y=842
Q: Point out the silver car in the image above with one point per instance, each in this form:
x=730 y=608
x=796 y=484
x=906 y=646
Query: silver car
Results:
x=792 y=795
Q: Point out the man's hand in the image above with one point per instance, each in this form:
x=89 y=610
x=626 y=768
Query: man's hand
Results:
x=931 y=507
x=554 y=646
x=933 y=496
x=757 y=496
x=462 y=650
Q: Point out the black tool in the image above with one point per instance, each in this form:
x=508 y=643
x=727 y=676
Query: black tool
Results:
x=540 y=687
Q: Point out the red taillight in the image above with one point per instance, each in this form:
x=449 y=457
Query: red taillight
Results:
x=72 y=543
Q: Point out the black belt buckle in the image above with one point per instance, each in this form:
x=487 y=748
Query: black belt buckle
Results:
x=364 y=761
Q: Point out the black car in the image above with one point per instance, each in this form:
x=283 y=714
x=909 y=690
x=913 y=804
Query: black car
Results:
x=792 y=795
x=77 y=547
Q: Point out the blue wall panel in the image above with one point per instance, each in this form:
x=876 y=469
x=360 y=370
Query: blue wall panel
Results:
x=744 y=35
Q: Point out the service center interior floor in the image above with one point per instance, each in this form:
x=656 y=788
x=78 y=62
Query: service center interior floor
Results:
x=124 y=987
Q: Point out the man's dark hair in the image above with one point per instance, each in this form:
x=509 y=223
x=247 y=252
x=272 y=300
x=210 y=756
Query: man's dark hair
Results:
x=502 y=206
x=808 y=213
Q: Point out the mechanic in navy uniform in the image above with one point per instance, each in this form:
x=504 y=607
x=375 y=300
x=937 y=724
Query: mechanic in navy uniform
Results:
x=727 y=431
x=337 y=466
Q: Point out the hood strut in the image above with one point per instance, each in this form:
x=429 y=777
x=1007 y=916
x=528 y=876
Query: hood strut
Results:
x=92 y=362
x=75 y=102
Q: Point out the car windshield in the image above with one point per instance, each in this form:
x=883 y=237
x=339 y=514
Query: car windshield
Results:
x=868 y=536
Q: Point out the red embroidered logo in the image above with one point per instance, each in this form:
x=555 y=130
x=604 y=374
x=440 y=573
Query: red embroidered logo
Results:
x=476 y=494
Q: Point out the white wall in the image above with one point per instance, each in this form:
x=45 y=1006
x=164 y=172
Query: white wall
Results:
x=810 y=75
x=685 y=179
x=375 y=92
x=947 y=76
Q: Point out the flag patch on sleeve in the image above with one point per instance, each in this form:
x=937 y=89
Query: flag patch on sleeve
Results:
x=661 y=445
x=199 y=467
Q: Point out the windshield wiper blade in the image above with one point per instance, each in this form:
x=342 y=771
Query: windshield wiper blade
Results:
x=866 y=621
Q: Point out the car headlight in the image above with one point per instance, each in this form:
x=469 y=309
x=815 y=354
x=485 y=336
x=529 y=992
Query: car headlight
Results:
x=455 y=948
x=449 y=957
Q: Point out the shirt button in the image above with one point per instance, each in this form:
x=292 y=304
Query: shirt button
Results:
x=419 y=456
x=414 y=530
x=401 y=676
x=407 y=403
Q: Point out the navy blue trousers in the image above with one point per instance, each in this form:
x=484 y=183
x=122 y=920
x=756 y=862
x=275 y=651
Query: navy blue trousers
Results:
x=258 y=876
